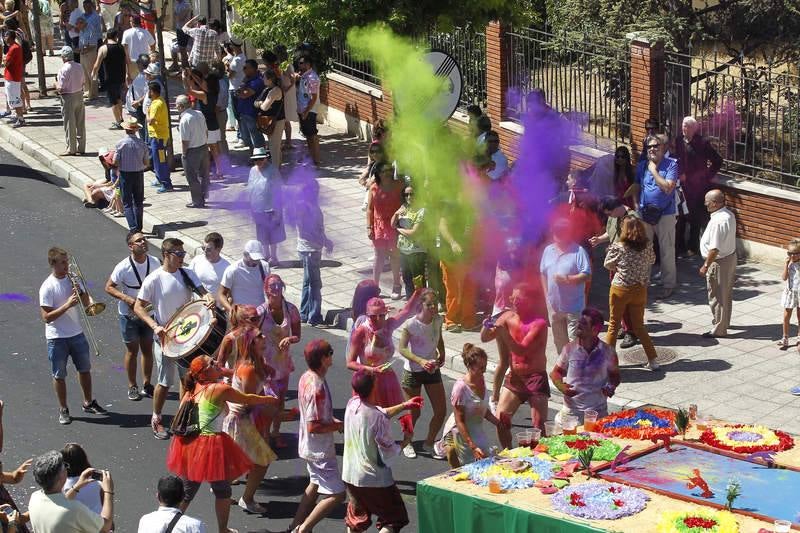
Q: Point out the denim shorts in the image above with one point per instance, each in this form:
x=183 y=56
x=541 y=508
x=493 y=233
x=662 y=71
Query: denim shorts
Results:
x=59 y=350
x=134 y=329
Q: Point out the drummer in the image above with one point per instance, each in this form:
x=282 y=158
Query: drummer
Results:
x=167 y=289
x=123 y=284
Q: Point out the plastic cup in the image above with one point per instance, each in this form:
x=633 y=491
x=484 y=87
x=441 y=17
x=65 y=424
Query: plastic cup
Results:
x=494 y=485
x=570 y=424
x=551 y=428
x=524 y=439
x=782 y=526
x=702 y=422
x=590 y=420
x=536 y=434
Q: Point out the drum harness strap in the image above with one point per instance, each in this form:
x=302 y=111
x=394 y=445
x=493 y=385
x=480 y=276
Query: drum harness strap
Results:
x=136 y=273
x=188 y=281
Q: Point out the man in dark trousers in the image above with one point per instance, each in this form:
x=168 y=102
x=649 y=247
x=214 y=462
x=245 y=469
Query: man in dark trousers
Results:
x=132 y=157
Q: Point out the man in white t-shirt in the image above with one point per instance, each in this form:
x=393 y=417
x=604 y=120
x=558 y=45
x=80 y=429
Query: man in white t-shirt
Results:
x=170 y=497
x=210 y=266
x=52 y=512
x=76 y=12
x=315 y=439
x=243 y=281
x=137 y=41
x=124 y=284
x=58 y=299
x=165 y=291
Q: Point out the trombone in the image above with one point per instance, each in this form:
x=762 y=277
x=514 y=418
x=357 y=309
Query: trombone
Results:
x=93 y=309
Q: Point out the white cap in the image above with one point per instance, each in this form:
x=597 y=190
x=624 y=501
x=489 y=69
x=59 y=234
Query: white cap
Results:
x=254 y=250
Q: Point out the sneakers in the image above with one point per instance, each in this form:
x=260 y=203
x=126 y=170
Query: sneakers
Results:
x=155 y=183
x=783 y=344
x=18 y=124
x=94 y=408
x=793 y=390
x=453 y=328
x=431 y=449
x=133 y=394
x=396 y=293
x=409 y=451
x=163 y=189
x=629 y=340
x=148 y=390
x=115 y=126
x=158 y=430
x=5 y=114
x=63 y=417
x=653 y=366
x=255 y=507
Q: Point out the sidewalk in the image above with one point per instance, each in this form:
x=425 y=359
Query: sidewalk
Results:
x=743 y=377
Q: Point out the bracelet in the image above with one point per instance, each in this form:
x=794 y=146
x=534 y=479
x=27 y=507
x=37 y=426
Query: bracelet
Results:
x=76 y=489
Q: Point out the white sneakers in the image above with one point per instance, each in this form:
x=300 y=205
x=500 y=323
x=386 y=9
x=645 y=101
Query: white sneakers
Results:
x=409 y=451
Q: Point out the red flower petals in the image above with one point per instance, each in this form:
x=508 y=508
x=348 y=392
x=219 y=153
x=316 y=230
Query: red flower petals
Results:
x=786 y=442
x=697 y=521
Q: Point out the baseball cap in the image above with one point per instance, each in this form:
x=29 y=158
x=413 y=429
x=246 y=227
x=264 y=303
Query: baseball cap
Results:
x=67 y=51
x=254 y=250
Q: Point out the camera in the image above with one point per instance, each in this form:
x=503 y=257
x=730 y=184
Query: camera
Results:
x=98 y=475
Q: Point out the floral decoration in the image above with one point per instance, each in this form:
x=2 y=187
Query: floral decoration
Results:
x=698 y=521
x=641 y=424
x=481 y=471
x=742 y=438
x=604 y=449
x=599 y=501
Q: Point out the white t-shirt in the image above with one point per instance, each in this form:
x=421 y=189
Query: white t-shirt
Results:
x=90 y=495
x=54 y=513
x=157 y=522
x=720 y=233
x=314 y=399
x=53 y=293
x=210 y=274
x=236 y=67
x=138 y=41
x=124 y=277
x=167 y=292
x=245 y=283
x=422 y=340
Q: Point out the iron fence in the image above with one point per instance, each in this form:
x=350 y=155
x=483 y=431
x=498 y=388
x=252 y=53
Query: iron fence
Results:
x=749 y=110
x=343 y=63
x=468 y=48
x=587 y=82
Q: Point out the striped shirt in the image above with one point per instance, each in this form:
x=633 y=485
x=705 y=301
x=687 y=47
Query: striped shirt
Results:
x=131 y=154
x=205 y=45
x=92 y=31
x=69 y=79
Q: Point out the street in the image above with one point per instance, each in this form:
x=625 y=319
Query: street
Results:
x=37 y=215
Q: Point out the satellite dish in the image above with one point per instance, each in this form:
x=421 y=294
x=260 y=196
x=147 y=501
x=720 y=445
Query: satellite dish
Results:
x=446 y=67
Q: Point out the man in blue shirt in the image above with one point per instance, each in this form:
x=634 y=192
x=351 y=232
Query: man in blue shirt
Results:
x=246 y=95
x=565 y=268
x=657 y=178
x=91 y=33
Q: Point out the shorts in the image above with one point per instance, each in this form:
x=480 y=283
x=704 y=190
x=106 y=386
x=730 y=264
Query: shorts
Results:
x=13 y=94
x=134 y=329
x=114 y=92
x=415 y=380
x=59 y=350
x=325 y=475
x=214 y=136
x=528 y=388
x=182 y=38
x=166 y=367
x=308 y=125
x=384 y=502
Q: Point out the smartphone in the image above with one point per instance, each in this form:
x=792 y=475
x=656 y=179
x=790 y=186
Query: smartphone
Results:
x=98 y=475
x=8 y=509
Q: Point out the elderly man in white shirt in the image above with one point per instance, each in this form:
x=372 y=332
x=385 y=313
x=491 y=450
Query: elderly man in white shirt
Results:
x=194 y=137
x=718 y=248
x=170 y=495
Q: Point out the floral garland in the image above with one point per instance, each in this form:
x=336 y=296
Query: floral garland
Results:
x=481 y=471
x=599 y=501
x=641 y=424
x=604 y=449
x=699 y=521
x=742 y=438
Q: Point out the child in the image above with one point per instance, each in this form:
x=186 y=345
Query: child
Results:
x=791 y=292
x=311 y=239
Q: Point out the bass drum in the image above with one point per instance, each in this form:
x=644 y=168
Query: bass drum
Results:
x=192 y=332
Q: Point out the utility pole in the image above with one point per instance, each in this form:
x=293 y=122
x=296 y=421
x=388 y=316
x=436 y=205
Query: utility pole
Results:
x=39 y=52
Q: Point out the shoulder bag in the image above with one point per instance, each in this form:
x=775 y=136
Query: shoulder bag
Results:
x=266 y=123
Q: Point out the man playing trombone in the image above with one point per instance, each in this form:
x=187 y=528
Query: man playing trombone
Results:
x=167 y=289
x=59 y=295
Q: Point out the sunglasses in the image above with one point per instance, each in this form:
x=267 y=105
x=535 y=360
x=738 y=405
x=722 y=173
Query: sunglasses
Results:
x=792 y=253
x=178 y=253
x=252 y=318
x=408 y=194
x=276 y=286
x=652 y=146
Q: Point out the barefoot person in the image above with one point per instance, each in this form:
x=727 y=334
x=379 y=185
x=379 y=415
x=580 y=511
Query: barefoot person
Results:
x=522 y=339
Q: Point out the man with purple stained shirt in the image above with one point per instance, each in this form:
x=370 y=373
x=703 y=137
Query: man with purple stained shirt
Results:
x=315 y=439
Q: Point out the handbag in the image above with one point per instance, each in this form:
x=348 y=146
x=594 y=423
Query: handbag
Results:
x=651 y=214
x=266 y=123
x=186 y=422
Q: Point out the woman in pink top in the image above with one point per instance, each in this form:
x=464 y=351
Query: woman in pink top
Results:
x=385 y=198
x=372 y=349
x=280 y=324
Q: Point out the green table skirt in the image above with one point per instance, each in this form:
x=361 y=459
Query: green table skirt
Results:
x=444 y=511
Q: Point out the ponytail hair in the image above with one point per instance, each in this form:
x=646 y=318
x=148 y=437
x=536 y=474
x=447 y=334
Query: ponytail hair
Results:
x=196 y=367
x=471 y=354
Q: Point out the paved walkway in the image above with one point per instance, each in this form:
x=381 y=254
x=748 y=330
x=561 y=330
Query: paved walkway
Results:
x=743 y=377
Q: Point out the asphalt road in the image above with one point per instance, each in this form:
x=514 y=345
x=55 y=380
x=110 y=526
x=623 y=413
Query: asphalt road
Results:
x=37 y=214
